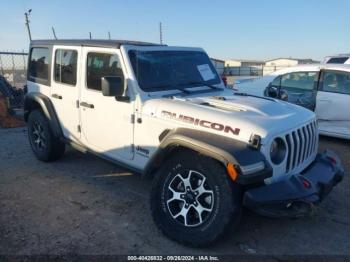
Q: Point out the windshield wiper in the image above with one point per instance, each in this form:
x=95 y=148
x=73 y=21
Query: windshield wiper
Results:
x=173 y=87
x=203 y=84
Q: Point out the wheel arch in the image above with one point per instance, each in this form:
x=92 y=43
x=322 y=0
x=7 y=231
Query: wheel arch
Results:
x=38 y=101
x=223 y=149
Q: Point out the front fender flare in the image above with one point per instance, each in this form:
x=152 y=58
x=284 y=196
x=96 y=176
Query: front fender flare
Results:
x=224 y=149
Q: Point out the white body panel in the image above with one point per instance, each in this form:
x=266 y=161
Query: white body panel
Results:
x=66 y=107
x=108 y=127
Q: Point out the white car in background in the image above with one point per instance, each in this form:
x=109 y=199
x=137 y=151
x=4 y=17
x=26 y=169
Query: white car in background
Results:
x=322 y=88
x=337 y=59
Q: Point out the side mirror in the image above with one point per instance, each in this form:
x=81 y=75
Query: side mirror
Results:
x=272 y=91
x=112 y=86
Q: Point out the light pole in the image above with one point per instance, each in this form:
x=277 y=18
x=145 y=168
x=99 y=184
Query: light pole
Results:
x=160 y=33
x=26 y=14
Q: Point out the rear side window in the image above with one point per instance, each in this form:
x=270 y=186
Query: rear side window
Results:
x=66 y=66
x=337 y=60
x=39 y=64
x=336 y=82
x=100 y=65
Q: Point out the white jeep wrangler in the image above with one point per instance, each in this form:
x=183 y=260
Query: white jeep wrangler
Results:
x=164 y=112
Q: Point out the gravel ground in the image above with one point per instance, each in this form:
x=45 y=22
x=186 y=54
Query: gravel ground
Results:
x=84 y=205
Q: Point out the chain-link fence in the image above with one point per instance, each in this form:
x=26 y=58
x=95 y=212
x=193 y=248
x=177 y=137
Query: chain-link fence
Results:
x=251 y=70
x=13 y=70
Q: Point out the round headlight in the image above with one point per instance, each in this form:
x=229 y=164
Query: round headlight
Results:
x=277 y=151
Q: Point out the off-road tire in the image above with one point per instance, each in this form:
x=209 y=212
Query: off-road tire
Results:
x=54 y=148
x=226 y=209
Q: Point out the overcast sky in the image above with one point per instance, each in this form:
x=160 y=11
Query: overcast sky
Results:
x=225 y=28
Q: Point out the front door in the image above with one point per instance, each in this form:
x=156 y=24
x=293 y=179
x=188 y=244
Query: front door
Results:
x=106 y=124
x=299 y=88
x=332 y=104
x=65 y=89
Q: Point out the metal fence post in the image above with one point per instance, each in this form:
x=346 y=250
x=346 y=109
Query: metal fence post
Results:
x=1 y=65
x=13 y=70
x=24 y=62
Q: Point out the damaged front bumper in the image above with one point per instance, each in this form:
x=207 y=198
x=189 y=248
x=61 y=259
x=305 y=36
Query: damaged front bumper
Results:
x=297 y=195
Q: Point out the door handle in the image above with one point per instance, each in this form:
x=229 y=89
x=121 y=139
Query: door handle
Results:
x=84 y=104
x=57 y=96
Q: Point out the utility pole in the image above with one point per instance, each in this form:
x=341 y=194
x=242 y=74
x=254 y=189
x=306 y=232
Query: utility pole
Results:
x=160 y=33
x=109 y=35
x=54 y=33
x=26 y=14
x=90 y=35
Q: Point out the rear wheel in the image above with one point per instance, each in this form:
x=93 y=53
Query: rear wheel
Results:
x=45 y=146
x=193 y=201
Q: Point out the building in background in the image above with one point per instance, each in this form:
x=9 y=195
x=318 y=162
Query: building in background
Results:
x=240 y=67
x=254 y=68
x=243 y=63
x=285 y=62
x=219 y=65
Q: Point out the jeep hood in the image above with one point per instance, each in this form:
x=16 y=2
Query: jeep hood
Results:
x=245 y=115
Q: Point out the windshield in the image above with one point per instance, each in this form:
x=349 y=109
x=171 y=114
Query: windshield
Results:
x=169 y=70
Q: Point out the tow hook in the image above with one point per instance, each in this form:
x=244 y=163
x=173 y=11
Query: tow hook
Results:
x=301 y=208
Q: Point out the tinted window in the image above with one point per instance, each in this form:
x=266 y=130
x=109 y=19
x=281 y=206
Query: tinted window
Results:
x=100 y=65
x=39 y=63
x=298 y=81
x=337 y=60
x=66 y=66
x=336 y=82
x=166 y=70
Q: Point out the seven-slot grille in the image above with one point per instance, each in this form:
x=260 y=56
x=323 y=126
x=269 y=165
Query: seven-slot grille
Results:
x=301 y=144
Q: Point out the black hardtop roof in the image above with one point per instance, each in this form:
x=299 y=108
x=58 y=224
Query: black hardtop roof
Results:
x=90 y=42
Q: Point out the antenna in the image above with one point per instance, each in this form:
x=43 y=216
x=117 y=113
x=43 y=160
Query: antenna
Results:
x=109 y=35
x=90 y=35
x=160 y=33
x=54 y=33
x=26 y=14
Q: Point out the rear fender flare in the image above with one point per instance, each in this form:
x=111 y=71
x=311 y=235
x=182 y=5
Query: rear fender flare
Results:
x=34 y=101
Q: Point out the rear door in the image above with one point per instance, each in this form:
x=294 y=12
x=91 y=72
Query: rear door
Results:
x=107 y=125
x=65 y=89
x=333 y=103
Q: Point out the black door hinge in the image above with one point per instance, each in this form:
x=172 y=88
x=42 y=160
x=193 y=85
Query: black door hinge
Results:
x=79 y=129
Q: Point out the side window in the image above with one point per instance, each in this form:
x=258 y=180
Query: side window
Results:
x=66 y=66
x=336 y=82
x=337 y=60
x=299 y=81
x=39 y=64
x=276 y=82
x=100 y=65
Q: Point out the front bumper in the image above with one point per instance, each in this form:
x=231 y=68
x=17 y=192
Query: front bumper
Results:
x=297 y=195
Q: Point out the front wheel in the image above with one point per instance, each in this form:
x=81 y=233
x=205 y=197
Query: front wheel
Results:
x=193 y=201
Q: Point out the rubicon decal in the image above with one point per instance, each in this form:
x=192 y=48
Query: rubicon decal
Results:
x=201 y=122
